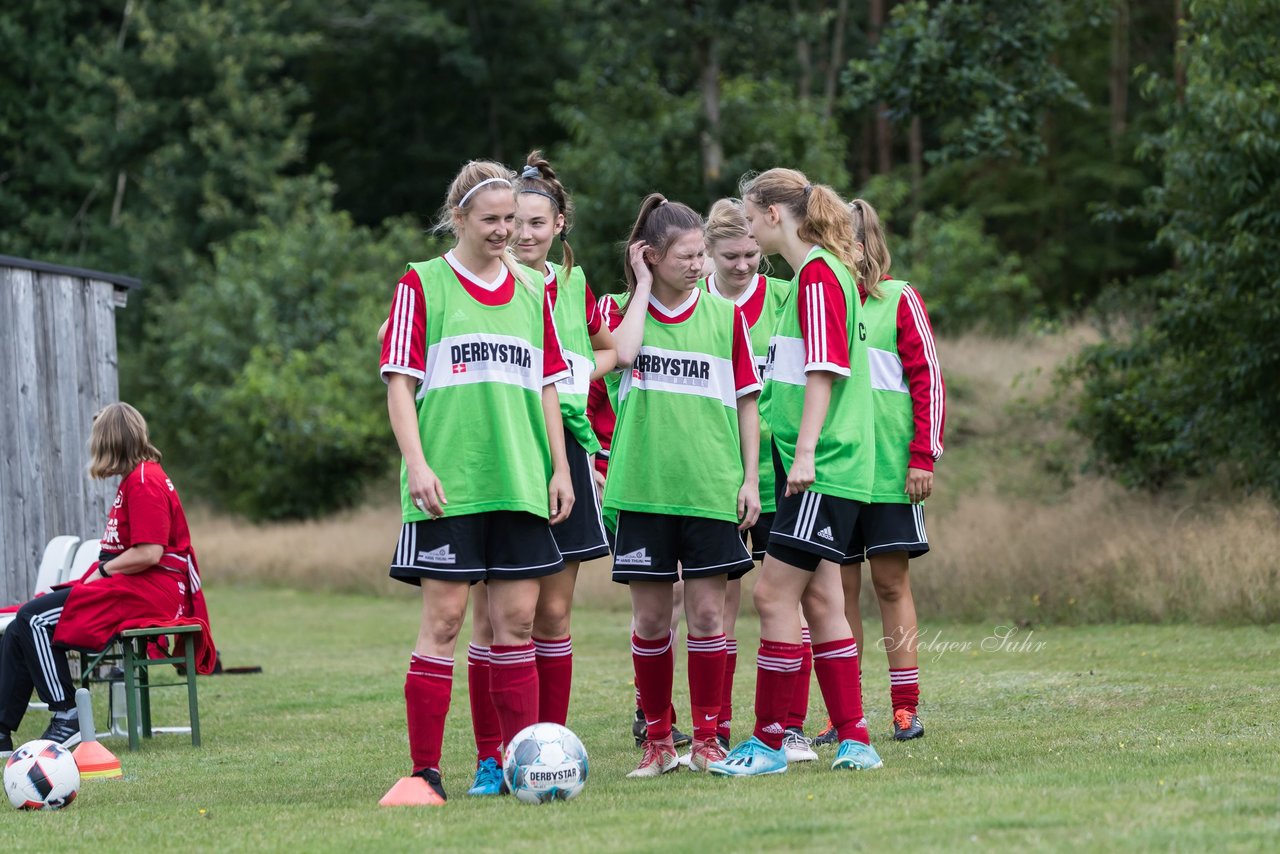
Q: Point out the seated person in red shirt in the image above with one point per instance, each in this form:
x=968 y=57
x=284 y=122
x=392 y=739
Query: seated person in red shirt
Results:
x=146 y=575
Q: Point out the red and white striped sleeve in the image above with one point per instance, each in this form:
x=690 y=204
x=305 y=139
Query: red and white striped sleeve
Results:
x=824 y=324
x=404 y=347
x=745 y=377
x=924 y=379
x=609 y=311
x=594 y=317
x=554 y=367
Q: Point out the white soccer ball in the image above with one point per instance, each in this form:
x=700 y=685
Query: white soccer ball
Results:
x=545 y=762
x=41 y=775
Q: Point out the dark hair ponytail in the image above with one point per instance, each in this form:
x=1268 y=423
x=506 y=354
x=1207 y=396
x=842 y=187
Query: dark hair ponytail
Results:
x=539 y=178
x=658 y=224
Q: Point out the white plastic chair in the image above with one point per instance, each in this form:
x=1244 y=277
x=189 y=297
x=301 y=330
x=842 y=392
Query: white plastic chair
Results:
x=54 y=566
x=86 y=554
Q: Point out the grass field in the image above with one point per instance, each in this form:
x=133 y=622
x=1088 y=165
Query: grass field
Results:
x=1074 y=738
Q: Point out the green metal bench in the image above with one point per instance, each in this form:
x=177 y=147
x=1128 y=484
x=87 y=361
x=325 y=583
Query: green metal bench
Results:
x=131 y=652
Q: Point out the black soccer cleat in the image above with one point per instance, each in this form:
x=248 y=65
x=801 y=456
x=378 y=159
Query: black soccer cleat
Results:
x=828 y=736
x=906 y=725
x=432 y=776
x=6 y=745
x=640 y=732
x=64 y=731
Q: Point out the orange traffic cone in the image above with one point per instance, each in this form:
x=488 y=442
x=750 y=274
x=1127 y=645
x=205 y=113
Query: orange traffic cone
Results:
x=94 y=760
x=411 y=792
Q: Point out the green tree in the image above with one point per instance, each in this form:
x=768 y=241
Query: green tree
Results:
x=676 y=98
x=1190 y=385
x=275 y=409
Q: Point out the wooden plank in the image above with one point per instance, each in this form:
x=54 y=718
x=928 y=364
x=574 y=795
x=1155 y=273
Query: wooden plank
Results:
x=27 y=506
x=12 y=560
x=86 y=381
x=62 y=430
x=103 y=368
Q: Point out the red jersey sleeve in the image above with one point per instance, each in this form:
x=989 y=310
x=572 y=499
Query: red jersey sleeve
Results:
x=594 y=318
x=148 y=507
x=554 y=367
x=823 y=321
x=924 y=379
x=745 y=377
x=404 y=347
x=609 y=311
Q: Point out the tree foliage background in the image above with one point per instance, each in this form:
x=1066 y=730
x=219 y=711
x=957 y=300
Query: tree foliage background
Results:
x=268 y=167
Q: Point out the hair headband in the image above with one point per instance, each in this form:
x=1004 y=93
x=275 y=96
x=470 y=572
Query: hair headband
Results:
x=541 y=193
x=471 y=192
x=532 y=171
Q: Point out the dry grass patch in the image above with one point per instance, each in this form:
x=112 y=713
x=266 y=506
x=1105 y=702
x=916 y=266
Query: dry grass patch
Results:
x=1017 y=532
x=348 y=552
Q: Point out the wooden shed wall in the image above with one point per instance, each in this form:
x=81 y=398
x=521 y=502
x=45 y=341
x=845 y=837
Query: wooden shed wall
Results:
x=58 y=366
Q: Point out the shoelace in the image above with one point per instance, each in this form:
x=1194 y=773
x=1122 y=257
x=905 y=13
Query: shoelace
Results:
x=902 y=718
x=711 y=750
x=652 y=753
x=745 y=750
x=488 y=774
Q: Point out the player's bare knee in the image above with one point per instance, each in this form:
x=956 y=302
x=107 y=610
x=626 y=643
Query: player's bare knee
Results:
x=705 y=619
x=443 y=631
x=551 y=620
x=819 y=606
x=652 y=626
x=890 y=587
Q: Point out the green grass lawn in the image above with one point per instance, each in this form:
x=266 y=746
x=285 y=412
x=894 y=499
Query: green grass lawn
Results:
x=1099 y=738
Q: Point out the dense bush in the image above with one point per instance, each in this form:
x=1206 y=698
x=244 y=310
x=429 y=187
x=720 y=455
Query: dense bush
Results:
x=1195 y=384
x=279 y=411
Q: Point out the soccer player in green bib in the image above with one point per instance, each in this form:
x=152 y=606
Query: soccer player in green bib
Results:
x=818 y=400
x=544 y=215
x=683 y=474
x=735 y=259
x=909 y=397
x=471 y=360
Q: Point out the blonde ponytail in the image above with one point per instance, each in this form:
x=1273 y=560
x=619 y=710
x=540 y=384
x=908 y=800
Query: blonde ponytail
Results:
x=820 y=213
x=875 y=251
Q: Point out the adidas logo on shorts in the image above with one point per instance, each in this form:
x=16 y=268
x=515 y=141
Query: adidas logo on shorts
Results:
x=826 y=534
x=639 y=557
x=444 y=554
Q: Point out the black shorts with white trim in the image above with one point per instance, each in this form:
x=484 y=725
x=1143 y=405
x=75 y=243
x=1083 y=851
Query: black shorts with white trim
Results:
x=582 y=535
x=499 y=545
x=759 y=533
x=810 y=527
x=888 y=528
x=661 y=547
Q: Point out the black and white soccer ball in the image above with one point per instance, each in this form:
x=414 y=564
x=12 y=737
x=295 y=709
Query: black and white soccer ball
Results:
x=41 y=775
x=545 y=762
